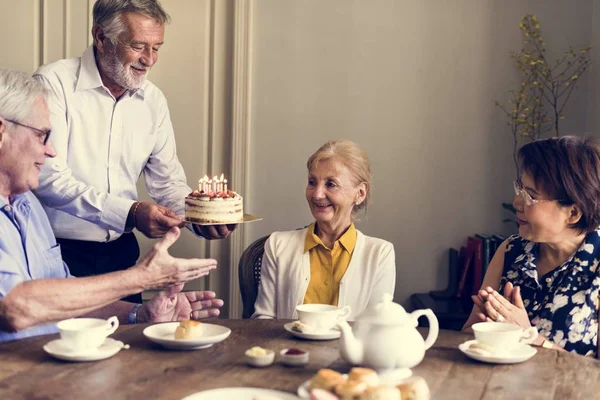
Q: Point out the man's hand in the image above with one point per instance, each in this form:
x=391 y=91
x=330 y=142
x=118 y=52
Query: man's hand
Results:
x=211 y=232
x=154 y=220
x=174 y=305
x=157 y=269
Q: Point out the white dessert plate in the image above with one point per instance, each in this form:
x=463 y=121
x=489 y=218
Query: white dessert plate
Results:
x=240 y=393
x=329 y=335
x=522 y=353
x=247 y=218
x=58 y=349
x=164 y=334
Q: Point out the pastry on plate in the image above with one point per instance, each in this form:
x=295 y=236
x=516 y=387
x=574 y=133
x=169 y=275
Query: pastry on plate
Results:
x=350 y=390
x=481 y=349
x=189 y=329
x=381 y=393
x=301 y=327
x=321 y=394
x=365 y=375
x=326 y=379
x=414 y=388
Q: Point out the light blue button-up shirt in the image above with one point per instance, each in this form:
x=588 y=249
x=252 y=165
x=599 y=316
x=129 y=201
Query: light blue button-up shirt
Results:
x=28 y=250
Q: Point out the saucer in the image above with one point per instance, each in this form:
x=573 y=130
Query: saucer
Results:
x=58 y=349
x=522 y=353
x=164 y=334
x=240 y=393
x=328 y=335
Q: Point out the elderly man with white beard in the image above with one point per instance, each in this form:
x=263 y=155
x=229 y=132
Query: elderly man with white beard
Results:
x=109 y=125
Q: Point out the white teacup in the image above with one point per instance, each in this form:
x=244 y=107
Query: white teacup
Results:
x=80 y=334
x=502 y=336
x=321 y=317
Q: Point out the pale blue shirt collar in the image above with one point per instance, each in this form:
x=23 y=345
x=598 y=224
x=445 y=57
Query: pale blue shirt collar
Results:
x=17 y=200
x=89 y=75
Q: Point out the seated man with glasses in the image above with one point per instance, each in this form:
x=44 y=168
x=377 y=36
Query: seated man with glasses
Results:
x=33 y=291
x=43 y=136
x=110 y=125
x=547 y=274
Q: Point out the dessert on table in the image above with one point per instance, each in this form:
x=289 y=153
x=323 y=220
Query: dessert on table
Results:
x=364 y=384
x=189 y=329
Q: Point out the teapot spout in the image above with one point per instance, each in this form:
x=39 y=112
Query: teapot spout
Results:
x=351 y=349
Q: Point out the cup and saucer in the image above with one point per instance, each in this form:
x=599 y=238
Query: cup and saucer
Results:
x=317 y=321
x=85 y=339
x=500 y=343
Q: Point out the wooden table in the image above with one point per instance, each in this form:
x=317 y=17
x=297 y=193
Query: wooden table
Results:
x=147 y=371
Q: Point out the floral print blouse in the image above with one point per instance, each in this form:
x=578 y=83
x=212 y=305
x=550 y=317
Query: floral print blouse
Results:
x=562 y=304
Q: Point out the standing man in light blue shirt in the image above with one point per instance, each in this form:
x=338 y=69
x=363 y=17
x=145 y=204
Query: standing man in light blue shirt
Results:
x=111 y=125
x=33 y=288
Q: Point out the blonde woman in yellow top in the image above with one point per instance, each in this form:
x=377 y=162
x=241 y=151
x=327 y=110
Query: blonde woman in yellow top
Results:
x=330 y=262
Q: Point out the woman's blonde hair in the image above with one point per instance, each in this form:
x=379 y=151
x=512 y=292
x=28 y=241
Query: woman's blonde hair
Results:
x=353 y=157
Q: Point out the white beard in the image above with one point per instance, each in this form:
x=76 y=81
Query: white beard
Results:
x=114 y=68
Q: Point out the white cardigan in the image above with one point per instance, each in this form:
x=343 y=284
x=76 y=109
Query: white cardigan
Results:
x=285 y=275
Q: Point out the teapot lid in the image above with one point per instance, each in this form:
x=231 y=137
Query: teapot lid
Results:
x=385 y=312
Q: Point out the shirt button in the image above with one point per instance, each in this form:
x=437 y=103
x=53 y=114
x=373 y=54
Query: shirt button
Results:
x=548 y=280
x=7 y=208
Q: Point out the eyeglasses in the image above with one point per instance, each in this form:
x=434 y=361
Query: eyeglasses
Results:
x=519 y=191
x=42 y=135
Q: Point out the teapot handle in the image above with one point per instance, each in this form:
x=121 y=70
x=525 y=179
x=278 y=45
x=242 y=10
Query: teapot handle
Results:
x=433 y=325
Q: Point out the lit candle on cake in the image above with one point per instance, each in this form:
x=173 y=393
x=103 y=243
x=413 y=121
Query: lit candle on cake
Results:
x=214 y=183
x=221 y=183
x=225 y=185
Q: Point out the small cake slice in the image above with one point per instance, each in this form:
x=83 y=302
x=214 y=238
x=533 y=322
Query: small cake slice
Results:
x=189 y=329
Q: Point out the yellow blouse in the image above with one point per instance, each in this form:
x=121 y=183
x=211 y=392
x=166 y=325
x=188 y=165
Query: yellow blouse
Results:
x=327 y=266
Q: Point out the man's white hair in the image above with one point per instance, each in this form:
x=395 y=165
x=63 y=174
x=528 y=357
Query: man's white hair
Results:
x=107 y=14
x=18 y=92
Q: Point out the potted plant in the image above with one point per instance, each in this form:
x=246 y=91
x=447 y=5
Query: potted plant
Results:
x=536 y=107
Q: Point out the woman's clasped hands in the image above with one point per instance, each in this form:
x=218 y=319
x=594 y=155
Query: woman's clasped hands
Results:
x=508 y=308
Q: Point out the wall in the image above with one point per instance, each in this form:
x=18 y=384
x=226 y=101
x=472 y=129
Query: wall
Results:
x=414 y=83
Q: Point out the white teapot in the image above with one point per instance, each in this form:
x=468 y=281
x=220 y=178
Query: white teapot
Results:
x=385 y=337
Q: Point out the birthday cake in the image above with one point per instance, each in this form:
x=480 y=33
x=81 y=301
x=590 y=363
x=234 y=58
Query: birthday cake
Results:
x=213 y=203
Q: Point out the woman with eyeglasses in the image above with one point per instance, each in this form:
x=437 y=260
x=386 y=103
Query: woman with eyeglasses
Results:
x=547 y=275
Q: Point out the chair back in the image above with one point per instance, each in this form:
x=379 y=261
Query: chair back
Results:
x=249 y=274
